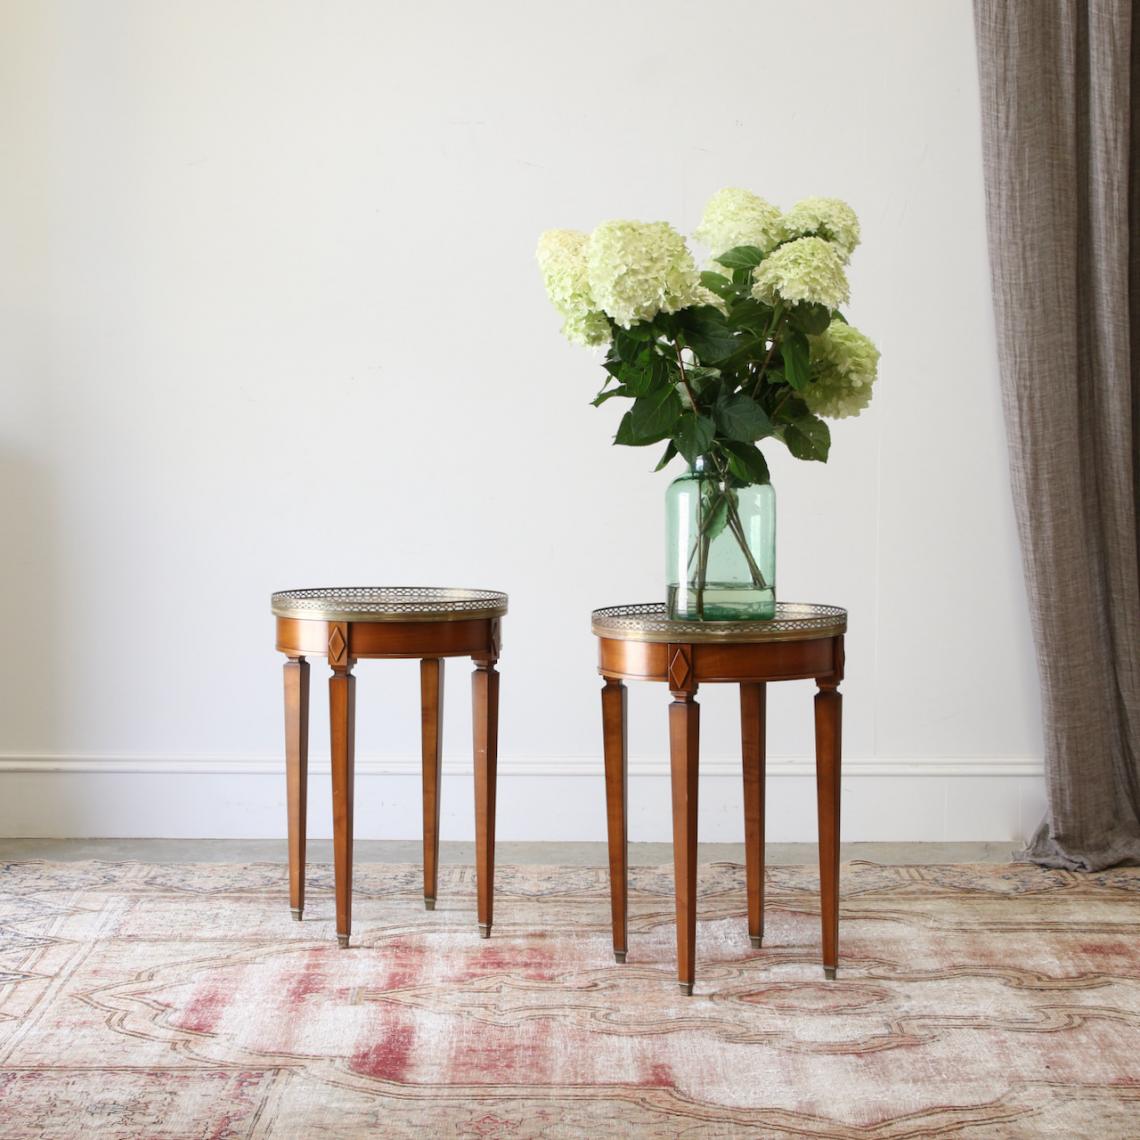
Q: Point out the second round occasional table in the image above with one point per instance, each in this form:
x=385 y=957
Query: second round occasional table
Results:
x=638 y=642
x=429 y=623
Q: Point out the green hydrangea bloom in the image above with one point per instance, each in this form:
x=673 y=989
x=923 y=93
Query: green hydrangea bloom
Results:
x=590 y=329
x=844 y=366
x=828 y=218
x=738 y=217
x=561 y=256
x=807 y=269
x=638 y=269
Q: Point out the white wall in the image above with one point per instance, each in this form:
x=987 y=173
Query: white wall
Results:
x=271 y=319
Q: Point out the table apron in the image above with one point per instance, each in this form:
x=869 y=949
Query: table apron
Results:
x=299 y=637
x=753 y=661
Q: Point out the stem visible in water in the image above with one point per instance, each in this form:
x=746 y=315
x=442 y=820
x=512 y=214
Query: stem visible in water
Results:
x=737 y=528
x=704 y=539
x=707 y=509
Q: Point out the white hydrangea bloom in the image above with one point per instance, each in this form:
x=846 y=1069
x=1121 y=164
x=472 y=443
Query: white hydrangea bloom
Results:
x=738 y=217
x=844 y=366
x=829 y=218
x=561 y=257
x=638 y=269
x=590 y=329
x=807 y=269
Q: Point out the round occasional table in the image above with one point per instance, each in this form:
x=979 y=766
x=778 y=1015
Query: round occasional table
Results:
x=638 y=642
x=424 y=622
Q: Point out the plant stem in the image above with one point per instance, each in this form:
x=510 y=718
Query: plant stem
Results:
x=704 y=541
x=777 y=317
x=684 y=377
x=737 y=528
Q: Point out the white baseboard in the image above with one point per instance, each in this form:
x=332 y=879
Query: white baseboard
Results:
x=555 y=798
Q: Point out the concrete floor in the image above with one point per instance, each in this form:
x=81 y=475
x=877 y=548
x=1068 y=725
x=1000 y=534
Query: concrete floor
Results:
x=550 y=854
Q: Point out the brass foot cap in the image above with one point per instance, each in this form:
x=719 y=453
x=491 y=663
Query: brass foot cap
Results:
x=829 y=973
x=342 y=941
x=619 y=955
x=484 y=930
x=686 y=988
x=296 y=913
x=757 y=940
x=429 y=904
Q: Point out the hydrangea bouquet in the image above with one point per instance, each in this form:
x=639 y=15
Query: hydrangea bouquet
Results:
x=754 y=347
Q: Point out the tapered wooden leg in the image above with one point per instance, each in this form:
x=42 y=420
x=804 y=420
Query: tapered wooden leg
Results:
x=431 y=738
x=614 y=749
x=297 y=774
x=684 y=729
x=342 y=726
x=753 y=701
x=485 y=719
x=828 y=725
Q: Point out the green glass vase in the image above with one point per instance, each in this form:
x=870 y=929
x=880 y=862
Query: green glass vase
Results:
x=720 y=547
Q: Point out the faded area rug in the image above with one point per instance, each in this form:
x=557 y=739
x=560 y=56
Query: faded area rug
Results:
x=181 y=1001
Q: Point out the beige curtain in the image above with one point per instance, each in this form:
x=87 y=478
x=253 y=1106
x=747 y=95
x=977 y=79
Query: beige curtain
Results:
x=1060 y=85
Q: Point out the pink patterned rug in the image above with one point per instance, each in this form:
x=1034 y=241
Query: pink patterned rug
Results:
x=180 y=1001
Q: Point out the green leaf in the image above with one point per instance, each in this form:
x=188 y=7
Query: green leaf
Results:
x=787 y=411
x=838 y=316
x=624 y=433
x=740 y=417
x=707 y=333
x=638 y=380
x=809 y=318
x=808 y=438
x=722 y=286
x=628 y=347
x=748 y=348
x=604 y=394
x=746 y=462
x=797 y=365
x=670 y=451
x=712 y=348
x=714 y=510
x=700 y=378
x=693 y=435
x=654 y=417
x=642 y=331
x=742 y=257
x=643 y=377
x=748 y=313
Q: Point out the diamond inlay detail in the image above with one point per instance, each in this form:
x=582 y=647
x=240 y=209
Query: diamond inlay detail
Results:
x=337 y=644
x=679 y=668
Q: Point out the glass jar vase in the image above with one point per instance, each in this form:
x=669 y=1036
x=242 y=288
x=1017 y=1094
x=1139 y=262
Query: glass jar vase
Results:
x=720 y=547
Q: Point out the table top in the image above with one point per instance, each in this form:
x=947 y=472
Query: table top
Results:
x=646 y=621
x=389 y=603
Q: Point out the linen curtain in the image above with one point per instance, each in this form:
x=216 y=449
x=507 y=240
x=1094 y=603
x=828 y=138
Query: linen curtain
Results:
x=1060 y=87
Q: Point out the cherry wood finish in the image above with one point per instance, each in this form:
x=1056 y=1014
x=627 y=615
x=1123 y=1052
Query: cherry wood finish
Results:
x=431 y=743
x=828 y=732
x=617 y=820
x=343 y=643
x=753 y=712
x=342 y=728
x=297 y=774
x=684 y=735
x=485 y=729
x=684 y=667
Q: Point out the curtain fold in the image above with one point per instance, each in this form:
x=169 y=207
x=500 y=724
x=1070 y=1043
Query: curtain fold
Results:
x=1060 y=93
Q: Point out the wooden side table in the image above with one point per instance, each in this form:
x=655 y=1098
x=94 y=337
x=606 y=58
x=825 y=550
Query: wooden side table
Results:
x=422 y=622
x=638 y=642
